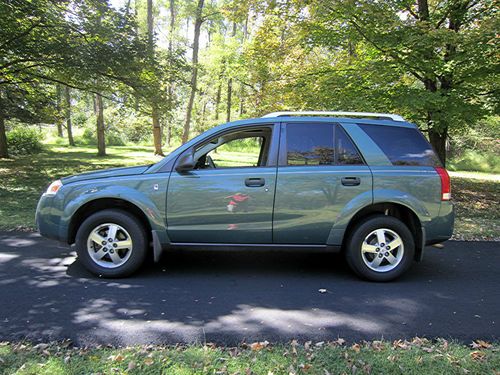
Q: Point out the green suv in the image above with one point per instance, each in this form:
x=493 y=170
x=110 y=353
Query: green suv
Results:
x=364 y=184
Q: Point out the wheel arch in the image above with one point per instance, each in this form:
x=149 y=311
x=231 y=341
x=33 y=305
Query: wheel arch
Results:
x=100 y=204
x=397 y=210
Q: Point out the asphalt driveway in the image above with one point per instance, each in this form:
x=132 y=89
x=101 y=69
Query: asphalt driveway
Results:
x=233 y=297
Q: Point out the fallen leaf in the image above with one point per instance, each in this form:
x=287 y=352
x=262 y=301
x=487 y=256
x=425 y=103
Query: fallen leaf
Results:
x=339 y=341
x=399 y=344
x=149 y=361
x=477 y=355
x=256 y=346
x=356 y=348
x=378 y=346
x=480 y=344
x=307 y=345
x=392 y=358
x=116 y=358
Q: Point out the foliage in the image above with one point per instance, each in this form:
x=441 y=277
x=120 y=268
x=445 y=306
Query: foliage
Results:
x=24 y=140
x=410 y=357
x=434 y=62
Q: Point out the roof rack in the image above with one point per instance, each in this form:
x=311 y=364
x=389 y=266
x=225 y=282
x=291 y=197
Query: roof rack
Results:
x=333 y=113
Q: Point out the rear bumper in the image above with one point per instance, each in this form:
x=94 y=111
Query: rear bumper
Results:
x=440 y=228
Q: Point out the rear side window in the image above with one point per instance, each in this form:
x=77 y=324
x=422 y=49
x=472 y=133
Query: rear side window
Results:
x=402 y=146
x=319 y=144
x=310 y=144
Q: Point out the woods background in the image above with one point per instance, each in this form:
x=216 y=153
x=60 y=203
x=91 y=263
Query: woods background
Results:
x=97 y=72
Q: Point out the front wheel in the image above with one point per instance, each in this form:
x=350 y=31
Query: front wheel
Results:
x=111 y=243
x=380 y=248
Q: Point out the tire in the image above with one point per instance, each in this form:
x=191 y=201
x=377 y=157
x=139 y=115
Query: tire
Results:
x=369 y=259
x=121 y=256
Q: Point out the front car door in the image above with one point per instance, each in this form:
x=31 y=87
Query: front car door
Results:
x=228 y=197
x=320 y=171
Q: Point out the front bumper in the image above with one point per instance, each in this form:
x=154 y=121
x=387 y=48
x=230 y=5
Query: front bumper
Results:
x=47 y=220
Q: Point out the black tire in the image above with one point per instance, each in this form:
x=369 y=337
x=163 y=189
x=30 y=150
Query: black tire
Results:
x=128 y=222
x=363 y=229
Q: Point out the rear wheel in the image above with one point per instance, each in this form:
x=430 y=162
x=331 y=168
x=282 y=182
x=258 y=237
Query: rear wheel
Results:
x=380 y=248
x=111 y=243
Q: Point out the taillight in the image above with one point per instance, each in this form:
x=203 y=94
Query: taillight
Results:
x=445 y=183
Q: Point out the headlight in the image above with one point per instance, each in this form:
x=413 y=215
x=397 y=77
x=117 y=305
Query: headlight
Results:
x=54 y=187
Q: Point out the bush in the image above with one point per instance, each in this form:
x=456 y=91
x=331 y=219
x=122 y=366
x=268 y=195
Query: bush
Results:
x=24 y=141
x=476 y=161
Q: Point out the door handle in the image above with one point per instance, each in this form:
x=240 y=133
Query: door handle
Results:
x=254 y=182
x=350 y=181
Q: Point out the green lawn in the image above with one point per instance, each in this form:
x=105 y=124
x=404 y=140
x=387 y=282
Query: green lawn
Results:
x=23 y=179
x=418 y=356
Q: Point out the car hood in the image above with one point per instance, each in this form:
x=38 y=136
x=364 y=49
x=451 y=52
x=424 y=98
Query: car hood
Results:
x=112 y=172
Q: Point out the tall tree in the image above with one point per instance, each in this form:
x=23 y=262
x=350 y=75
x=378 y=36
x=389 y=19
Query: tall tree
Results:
x=69 y=124
x=442 y=55
x=4 y=153
x=101 y=140
x=194 y=75
x=154 y=105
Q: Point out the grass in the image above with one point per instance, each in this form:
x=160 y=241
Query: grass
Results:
x=409 y=357
x=23 y=179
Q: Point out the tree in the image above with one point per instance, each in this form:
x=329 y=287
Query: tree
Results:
x=194 y=75
x=69 y=125
x=441 y=54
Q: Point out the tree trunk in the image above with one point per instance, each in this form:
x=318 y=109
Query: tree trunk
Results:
x=69 y=125
x=101 y=142
x=217 y=100
x=150 y=27
x=229 y=99
x=4 y=150
x=242 y=100
x=194 y=76
x=58 y=106
x=170 y=92
x=438 y=142
x=156 y=130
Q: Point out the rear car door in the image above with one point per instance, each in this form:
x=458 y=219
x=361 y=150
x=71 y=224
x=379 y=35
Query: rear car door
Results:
x=228 y=197
x=320 y=172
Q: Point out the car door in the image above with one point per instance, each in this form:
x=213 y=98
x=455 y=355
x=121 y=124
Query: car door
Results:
x=228 y=197
x=320 y=171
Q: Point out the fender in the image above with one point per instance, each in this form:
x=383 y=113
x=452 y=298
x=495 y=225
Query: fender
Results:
x=80 y=195
x=337 y=232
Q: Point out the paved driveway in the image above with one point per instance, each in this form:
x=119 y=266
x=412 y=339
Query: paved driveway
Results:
x=234 y=297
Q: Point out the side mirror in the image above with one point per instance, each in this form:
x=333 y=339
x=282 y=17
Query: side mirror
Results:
x=185 y=162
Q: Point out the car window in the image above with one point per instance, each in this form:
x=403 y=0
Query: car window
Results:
x=347 y=154
x=235 y=149
x=402 y=146
x=309 y=144
x=242 y=152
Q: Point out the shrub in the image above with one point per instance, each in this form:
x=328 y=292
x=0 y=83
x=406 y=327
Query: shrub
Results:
x=478 y=161
x=24 y=141
x=114 y=139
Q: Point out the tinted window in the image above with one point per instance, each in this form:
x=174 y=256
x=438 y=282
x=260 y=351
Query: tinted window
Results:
x=347 y=154
x=402 y=146
x=310 y=144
